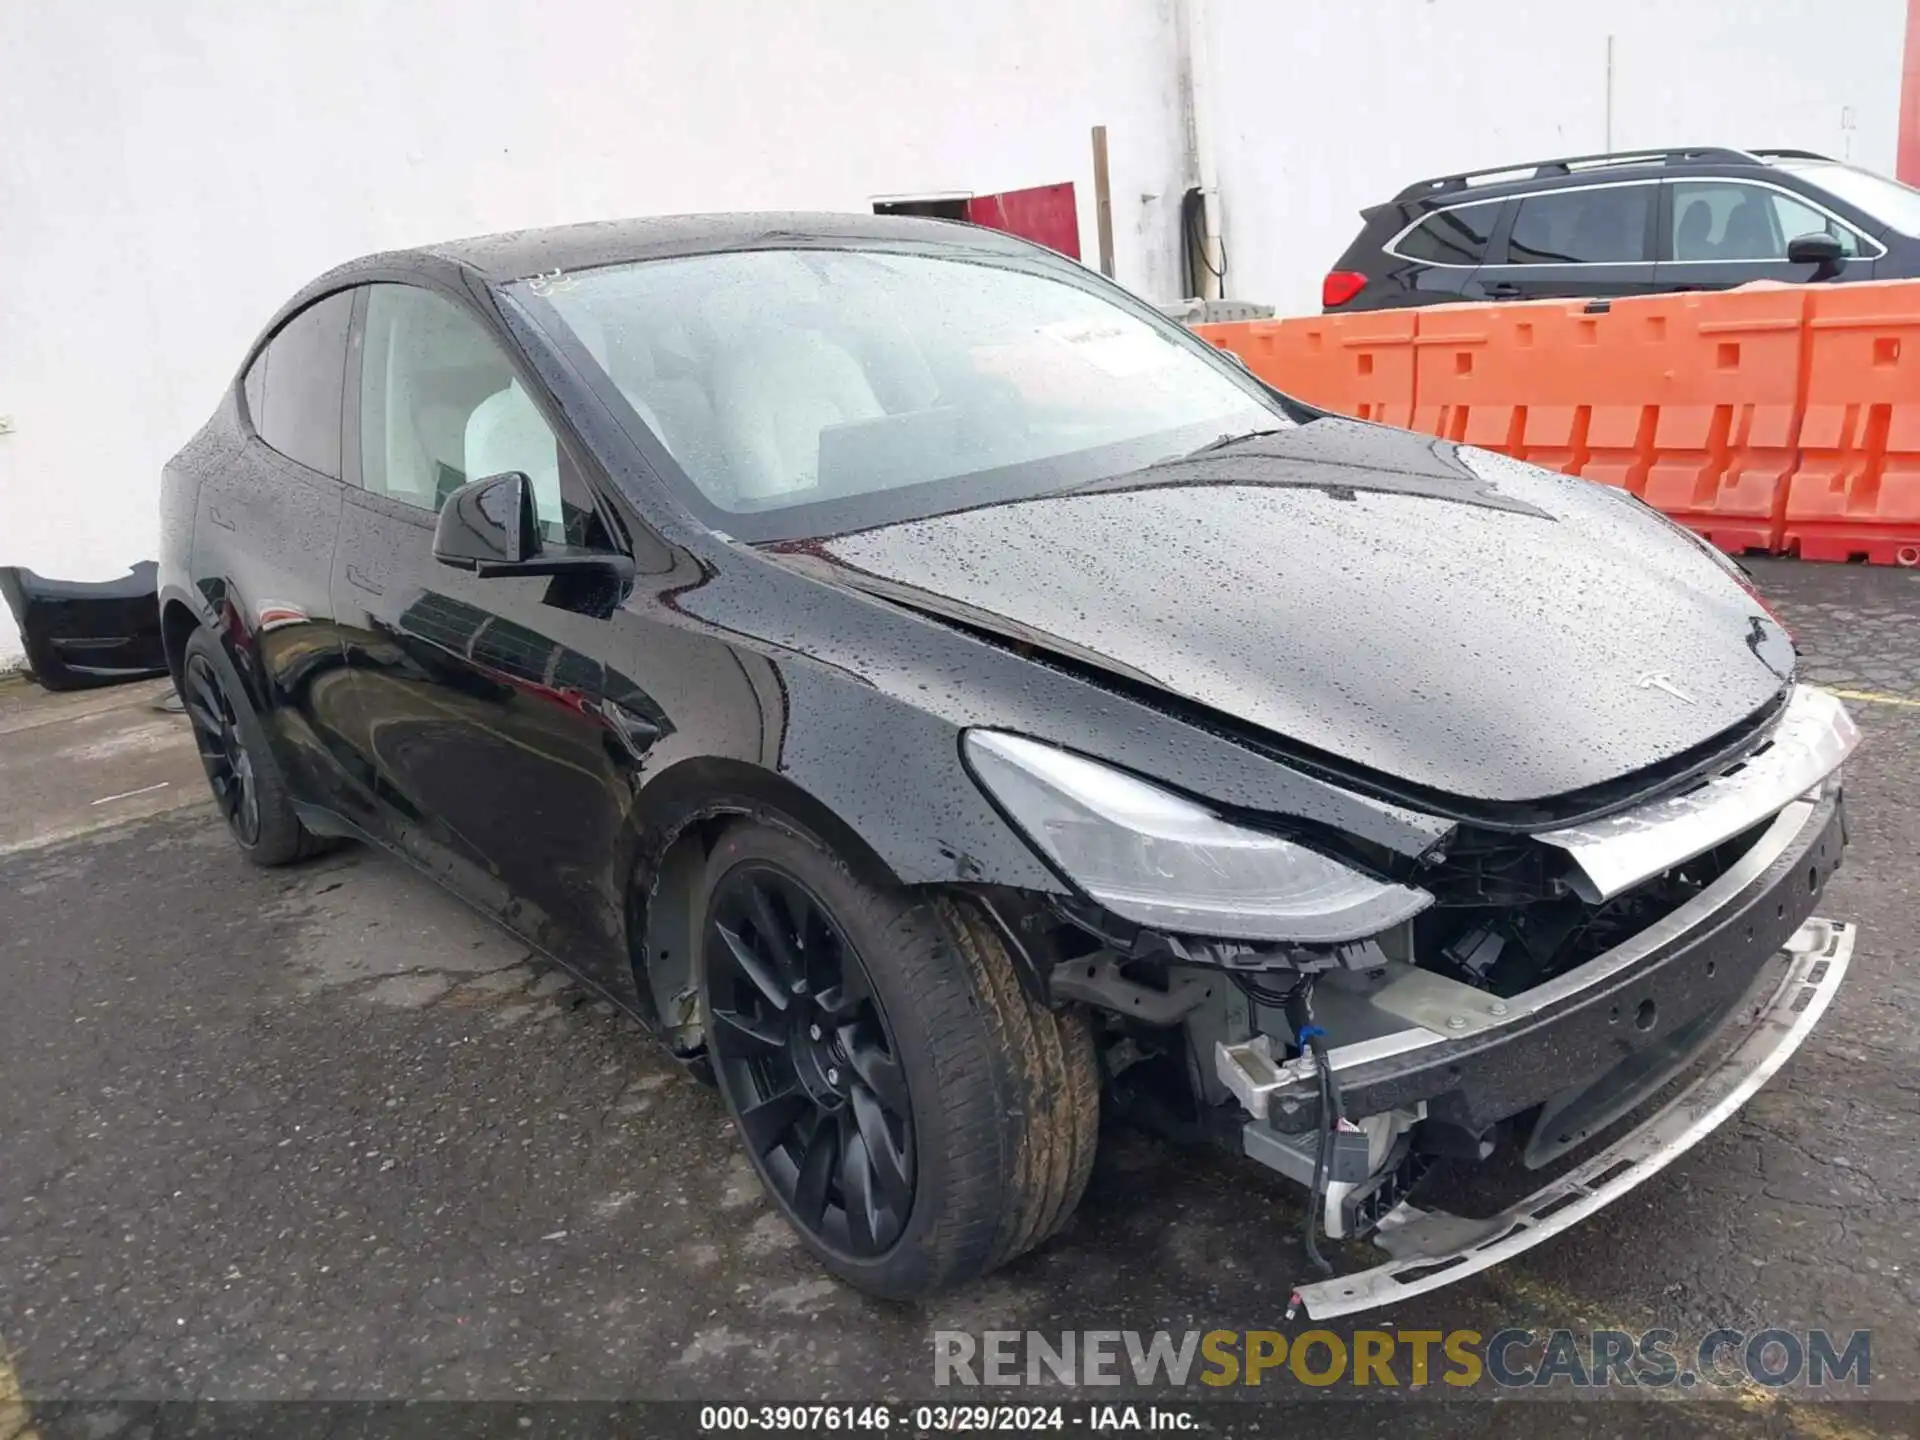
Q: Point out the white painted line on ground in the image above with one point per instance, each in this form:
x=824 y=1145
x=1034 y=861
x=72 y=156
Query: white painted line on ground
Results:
x=129 y=794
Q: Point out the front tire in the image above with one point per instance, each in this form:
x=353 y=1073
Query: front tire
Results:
x=915 y=1115
x=247 y=785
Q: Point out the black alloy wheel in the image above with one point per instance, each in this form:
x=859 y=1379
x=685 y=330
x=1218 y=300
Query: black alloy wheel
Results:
x=252 y=795
x=804 y=1054
x=223 y=751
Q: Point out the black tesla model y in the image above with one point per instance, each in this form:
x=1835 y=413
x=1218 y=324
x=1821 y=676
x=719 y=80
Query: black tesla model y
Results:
x=941 y=697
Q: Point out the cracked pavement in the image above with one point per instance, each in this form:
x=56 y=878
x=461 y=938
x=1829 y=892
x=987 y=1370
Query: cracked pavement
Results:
x=322 y=1132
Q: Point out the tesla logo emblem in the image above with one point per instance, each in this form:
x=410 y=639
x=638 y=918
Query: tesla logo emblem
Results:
x=1660 y=680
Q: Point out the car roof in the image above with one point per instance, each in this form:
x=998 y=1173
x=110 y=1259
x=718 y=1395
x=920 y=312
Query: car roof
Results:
x=519 y=254
x=522 y=254
x=1498 y=182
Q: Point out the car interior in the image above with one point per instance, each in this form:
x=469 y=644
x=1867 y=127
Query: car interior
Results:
x=441 y=406
x=744 y=392
x=1731 y=223
x=775 y=380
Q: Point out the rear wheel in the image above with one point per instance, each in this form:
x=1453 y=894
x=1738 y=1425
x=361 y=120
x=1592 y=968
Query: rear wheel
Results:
x=247 y=785
x=914 y=1114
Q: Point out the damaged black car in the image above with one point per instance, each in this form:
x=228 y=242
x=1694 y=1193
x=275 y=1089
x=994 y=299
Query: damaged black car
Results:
x=942 y=698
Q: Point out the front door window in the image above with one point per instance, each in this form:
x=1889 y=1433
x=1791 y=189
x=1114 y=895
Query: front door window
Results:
x=441 y=405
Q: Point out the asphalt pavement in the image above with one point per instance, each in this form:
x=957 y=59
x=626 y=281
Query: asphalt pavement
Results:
x=322 y=1132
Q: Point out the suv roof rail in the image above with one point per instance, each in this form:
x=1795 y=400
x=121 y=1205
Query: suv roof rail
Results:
x=1773 y=153
x=1543 y=169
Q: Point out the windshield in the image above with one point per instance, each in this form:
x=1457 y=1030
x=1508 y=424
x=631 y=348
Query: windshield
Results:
x=808 y=391
x=1888 y=201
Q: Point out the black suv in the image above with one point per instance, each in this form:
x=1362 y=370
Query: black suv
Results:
x=1629 y=224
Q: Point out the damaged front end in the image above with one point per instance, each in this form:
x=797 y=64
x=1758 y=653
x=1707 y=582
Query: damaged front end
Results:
x=1441 y=1080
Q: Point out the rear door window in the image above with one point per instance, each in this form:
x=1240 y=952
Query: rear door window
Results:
x=1583 y=227
x=293 y=388
x=1451 y=237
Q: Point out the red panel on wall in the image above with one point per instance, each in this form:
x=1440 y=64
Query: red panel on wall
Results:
x=1045 y=213
x=1908 y=166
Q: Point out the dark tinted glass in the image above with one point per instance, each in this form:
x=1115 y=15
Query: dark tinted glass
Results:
x=1452 y=237
x=1582 y=227
x=293 y=389
x=1729 y=220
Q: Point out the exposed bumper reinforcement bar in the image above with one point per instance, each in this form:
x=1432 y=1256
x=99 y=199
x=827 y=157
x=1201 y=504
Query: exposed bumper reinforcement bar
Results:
x=1432 y=1248
x=1506 y=1055
x=1811 y=740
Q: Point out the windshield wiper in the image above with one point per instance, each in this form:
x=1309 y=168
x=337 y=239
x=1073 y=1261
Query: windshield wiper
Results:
x=1221 y=442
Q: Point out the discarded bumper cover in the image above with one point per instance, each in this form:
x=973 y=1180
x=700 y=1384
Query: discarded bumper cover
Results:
x=80 y=633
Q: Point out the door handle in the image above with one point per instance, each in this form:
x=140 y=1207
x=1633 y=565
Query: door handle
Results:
x=1501 y=289
x=361 y=582
x=214 y=515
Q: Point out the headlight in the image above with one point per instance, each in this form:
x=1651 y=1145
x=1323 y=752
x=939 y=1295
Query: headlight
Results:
x=1157 y=859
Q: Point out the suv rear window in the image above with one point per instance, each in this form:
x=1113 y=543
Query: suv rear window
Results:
x=1451 y=237
x=1582 y=227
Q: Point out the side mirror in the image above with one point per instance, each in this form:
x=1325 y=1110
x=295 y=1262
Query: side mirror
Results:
x=489 y=526
x=1819 y=249
x=488 y=523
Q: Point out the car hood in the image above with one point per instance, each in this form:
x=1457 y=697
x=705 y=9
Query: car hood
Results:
x=1447 y=617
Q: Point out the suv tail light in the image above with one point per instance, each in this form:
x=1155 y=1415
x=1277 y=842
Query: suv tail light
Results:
x=1340 y=286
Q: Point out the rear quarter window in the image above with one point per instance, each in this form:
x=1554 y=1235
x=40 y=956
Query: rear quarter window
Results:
x=1452 y=237
x=293 y=388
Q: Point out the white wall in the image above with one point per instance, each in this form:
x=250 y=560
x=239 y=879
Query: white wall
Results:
x=1325 y=106
x=170 y=173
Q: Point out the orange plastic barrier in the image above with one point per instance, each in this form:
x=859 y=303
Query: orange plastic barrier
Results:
x=1775 y=417
x=1690 y=401
x=1550 y=382
x=1725 y=384
x=1857 y=491
x=1359 y=364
